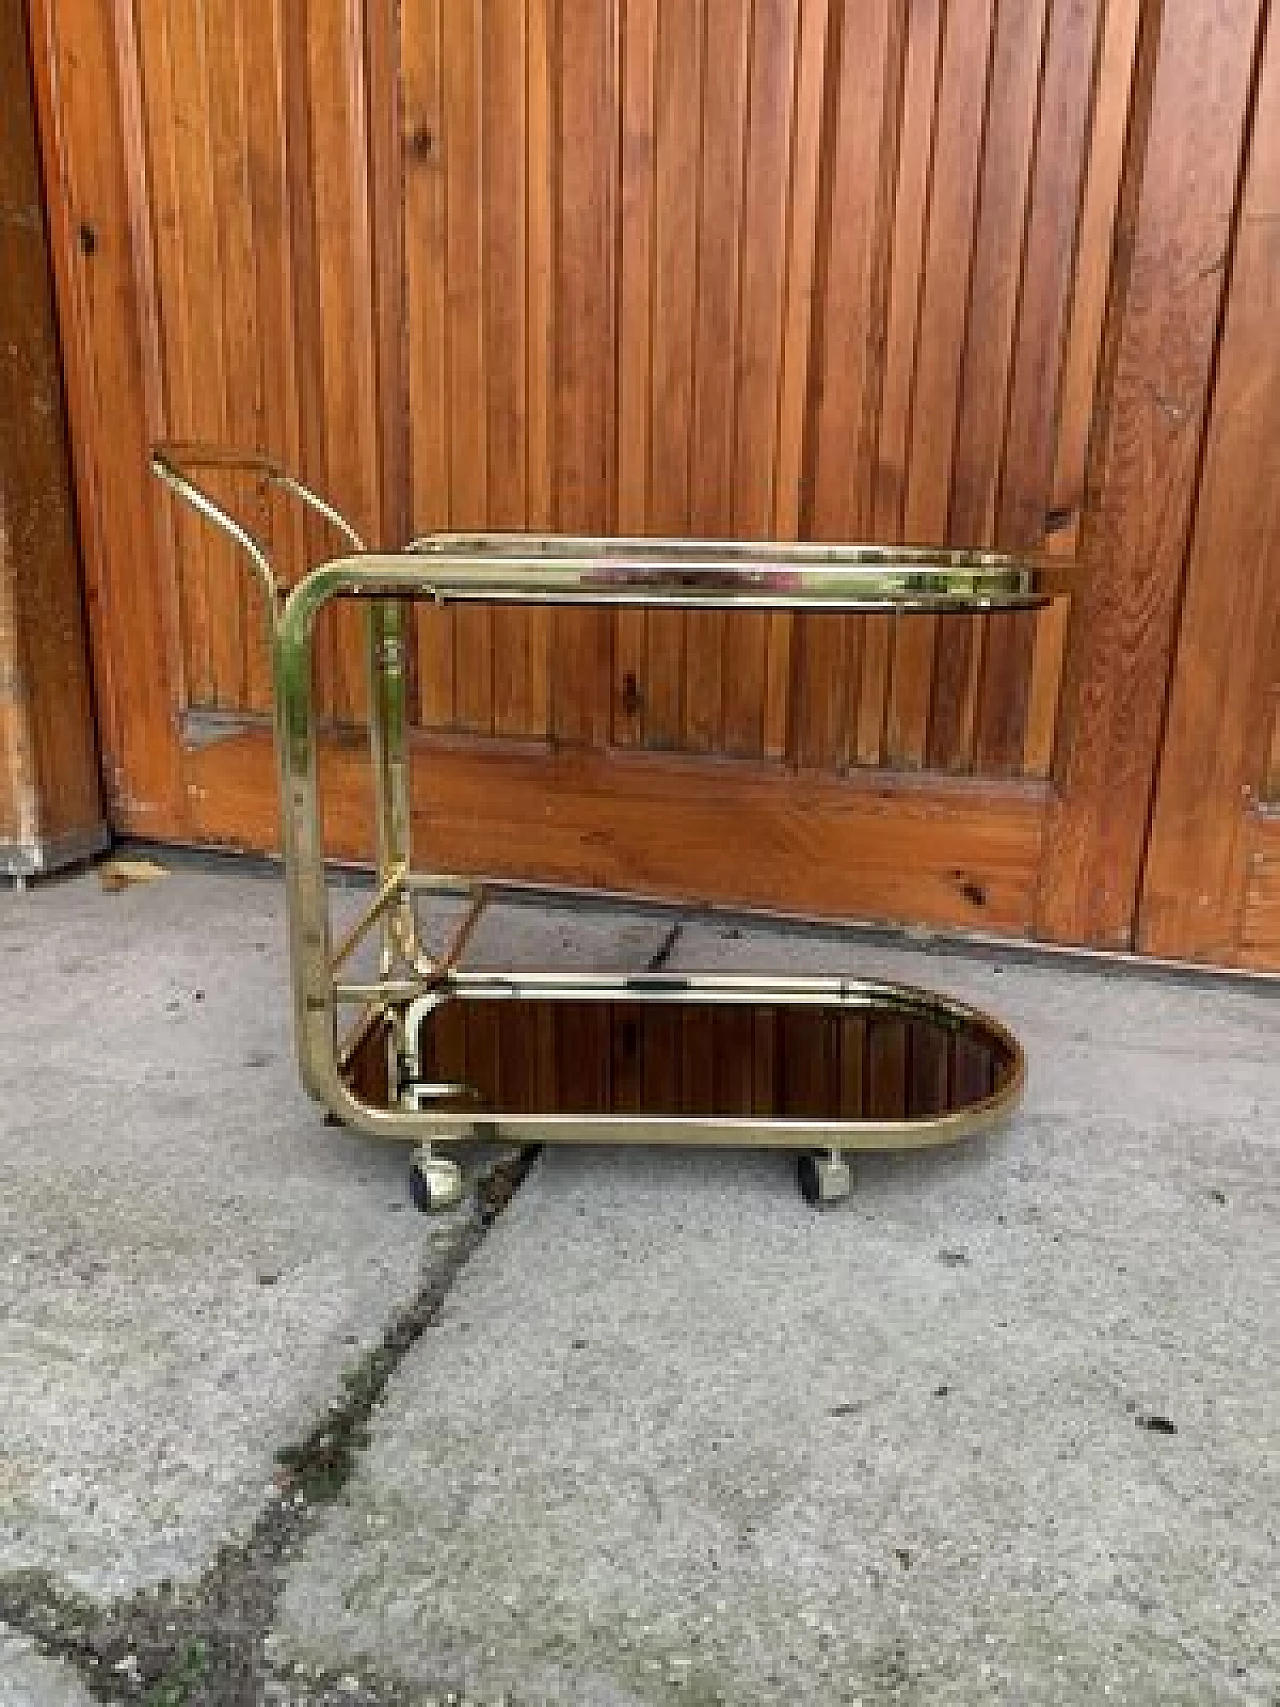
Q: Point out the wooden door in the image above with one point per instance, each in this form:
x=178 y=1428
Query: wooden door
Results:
x=1212 y=883
x=892 y=270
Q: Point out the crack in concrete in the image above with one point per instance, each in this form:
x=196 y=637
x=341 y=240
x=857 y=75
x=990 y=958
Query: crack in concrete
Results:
x=666 y=948
x=207 y=1644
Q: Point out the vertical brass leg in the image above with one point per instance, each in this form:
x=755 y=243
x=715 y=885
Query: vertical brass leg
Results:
x=388 y=741
x=306 y=897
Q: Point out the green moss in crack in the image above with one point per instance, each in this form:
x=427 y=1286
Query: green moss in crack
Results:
x=182 y=1681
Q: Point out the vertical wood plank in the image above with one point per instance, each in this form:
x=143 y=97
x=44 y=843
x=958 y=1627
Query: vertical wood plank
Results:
x=105 y=285
x=54 y=128
x=805 y=1067
x=541 y=306
x=697 y=1059
x=384 y=99
x=971 y=1070
x=660 y=1068
x=306 y=149
x=164 y=146
x=733 y=1053
x=339 y=147
x=851 y=1101
x=464 y=70
x=48 y=759
x=505 y=149
x=443 y=1042
x=635 y=341
x=906 y=277
x=1026 y=484
x=928 y=1079
x=241 y=335
x=173 y=63
x=484 y=1051
x=766 y=1080
x=426 y=290
x=886 y=1068
x=1092 y=272
x=305 y=310
x=539 y=328
x=715 y=349
x=587 y=88
x=962 y=99
x=793 y=379
x=864 y=85
x=681 y=39
x=517 y=1052
x=988 y=355
x=384 y=102
x=1219 y=725
x=770 y=95
x=1164 y=317
x=626 y=1067
x=263 y=38
x=584 y=1056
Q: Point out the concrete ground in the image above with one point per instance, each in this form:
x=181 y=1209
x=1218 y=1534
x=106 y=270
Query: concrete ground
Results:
x=1003 y=1427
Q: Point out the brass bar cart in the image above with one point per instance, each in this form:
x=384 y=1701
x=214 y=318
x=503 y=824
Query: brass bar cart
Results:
x=427 y=1050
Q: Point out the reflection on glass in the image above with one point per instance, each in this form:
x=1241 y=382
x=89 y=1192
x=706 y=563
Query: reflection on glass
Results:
x=696 y=1059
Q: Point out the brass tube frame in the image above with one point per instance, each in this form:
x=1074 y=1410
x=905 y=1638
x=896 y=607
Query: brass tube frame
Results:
x=463 y=568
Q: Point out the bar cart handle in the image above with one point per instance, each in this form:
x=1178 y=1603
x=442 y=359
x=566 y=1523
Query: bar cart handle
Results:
x=174 y=461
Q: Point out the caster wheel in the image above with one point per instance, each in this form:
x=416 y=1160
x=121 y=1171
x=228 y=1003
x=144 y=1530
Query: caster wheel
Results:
x=434 y=1183
x=823 y=1179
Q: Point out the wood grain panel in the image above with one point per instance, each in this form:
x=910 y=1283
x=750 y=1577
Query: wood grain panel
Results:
x=1204 y=854
x=97 y=185
x=941 y=272
x=919 y=848
x=1176 y=217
